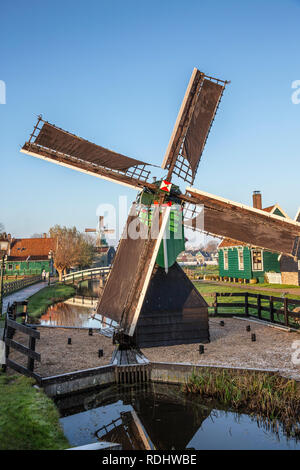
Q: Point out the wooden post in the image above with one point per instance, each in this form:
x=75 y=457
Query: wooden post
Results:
x=216 y=304
x=286 y=311
x=30 y=362
x=246 y=305
x=271 y=309
x=259 y=306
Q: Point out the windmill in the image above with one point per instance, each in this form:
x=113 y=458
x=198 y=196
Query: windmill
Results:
x=101 y=231
x=147 y=293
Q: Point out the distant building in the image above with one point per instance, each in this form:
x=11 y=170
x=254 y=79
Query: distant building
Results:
x=29 y=256
x=239 y=261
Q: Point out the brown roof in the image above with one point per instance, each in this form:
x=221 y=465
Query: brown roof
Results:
x=269 y=209
x=37 y=248
x=226 y=242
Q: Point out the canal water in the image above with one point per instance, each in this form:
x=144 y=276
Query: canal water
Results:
x=63 y=314
x=161 y=417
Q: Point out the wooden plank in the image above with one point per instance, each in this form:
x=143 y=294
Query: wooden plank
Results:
x=23 y=349
x=22 y=370
x=23 y=329
x=232 y=305
x=232 y=294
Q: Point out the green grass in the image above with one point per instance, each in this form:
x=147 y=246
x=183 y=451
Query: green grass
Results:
x=39 y=302
x=29 y=419
x=265 y=395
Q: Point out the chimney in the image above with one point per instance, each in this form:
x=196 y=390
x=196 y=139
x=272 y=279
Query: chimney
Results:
x=257 y=200
x=9 y=237
x=44 y=235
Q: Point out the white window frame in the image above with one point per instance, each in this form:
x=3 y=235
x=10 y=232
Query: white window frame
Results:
x=241 y=262
x=226 y=267
x=262 y=260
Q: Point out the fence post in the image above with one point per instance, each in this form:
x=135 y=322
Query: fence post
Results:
x=286 y=311
x=30 y=362
x=259 y=306
x=271 y=309
x=246 y=305
x=216 y=304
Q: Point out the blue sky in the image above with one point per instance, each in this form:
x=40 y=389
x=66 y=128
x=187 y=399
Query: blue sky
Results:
x=115 y=72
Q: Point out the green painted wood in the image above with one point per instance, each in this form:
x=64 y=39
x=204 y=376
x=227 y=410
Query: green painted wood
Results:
x=270 y=264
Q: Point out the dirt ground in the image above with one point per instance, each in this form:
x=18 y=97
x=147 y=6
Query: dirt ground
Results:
x=57 y=357
x=230 y=345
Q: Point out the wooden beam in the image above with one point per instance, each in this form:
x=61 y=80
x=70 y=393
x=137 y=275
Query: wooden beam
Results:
x=23 y=329
x=23 y=349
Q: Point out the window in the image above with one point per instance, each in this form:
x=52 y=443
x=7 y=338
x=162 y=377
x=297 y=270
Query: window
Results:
x=241 y=259
x=225 y=255
x=17 y=267
x=257 y=260
x=10 y=266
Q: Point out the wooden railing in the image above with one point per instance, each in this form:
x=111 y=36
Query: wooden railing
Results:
x=279 y=310
x=92 y=273
x=10 y=328
x=10 y=287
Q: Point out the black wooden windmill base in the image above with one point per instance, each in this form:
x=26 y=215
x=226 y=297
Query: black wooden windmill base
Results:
x=173 y=311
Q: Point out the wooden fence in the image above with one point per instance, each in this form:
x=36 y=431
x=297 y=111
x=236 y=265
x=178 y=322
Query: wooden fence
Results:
x=278 y=310
x=10 y=287
x=10 y=328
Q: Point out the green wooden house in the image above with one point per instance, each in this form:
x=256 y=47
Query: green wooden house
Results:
x=29 y=256
x=239 y=261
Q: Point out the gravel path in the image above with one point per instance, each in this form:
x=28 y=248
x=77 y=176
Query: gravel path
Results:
x=231 y=345
x=57 y=357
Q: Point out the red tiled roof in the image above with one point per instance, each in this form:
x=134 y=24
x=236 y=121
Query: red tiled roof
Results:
x=269 y=209
x=37 y=248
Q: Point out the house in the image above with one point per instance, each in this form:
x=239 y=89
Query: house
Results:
x=29 y=256
x=240 y=261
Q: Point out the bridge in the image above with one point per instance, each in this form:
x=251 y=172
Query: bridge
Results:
x=87 y=274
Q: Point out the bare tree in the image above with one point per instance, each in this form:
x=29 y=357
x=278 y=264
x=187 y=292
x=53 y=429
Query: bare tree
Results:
x=211 y=246
x=2 y=230
x=71 y=249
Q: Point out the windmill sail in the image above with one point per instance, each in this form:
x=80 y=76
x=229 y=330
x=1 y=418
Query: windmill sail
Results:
x=66 y=149
x=225 y=218
x=127 y=284
x=192 y=126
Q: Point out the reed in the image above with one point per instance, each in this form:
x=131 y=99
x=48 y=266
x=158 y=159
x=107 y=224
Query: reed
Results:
x=266 y=395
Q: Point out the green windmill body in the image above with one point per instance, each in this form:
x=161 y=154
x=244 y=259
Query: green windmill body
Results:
x=174 y=241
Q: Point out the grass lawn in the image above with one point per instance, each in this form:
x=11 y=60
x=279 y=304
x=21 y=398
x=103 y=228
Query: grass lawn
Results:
x=39 y=302
x=29 y=419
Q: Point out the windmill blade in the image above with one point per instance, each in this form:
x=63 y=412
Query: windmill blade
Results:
x=50 y=143
x=90 y=230
x=127 y=284
x=225 y=218
x=192 y=126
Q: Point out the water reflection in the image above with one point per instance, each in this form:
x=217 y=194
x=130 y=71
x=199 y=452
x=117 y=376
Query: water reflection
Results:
x=62 y=314
x=160 y=417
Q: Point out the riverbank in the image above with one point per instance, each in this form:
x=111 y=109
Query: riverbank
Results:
x=39 y=302
x=265 y=395
x=29 y=419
